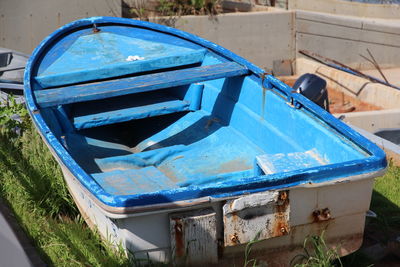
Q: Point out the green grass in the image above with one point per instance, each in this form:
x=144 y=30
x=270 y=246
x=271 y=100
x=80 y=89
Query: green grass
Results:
x=32 y=184
x=317 y=254
x=386 y=204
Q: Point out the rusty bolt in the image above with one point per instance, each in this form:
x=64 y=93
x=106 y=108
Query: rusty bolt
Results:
x=234 y=238
x=283 y=195
x=326 y=213
x=321 y=215
x=284 y=229
x=95 y=29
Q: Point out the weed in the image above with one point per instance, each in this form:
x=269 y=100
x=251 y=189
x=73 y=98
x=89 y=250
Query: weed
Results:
x=139 y=9
x=14 y=117
x=247 y=260
x=187 y=7
x=320 y=254
x=168 y=11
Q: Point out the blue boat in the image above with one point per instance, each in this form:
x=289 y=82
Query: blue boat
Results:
x=183 y=152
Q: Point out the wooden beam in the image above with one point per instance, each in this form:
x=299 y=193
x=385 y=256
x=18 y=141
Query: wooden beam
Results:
x=130 y=113
x=139 y=84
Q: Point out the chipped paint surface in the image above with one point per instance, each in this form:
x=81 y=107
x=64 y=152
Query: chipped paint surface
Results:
x=256 y=217
x=194 y=237
x=281 y=162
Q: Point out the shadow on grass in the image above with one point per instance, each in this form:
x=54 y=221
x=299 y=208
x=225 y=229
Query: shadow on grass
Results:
x=384 y=227
x=388 y=212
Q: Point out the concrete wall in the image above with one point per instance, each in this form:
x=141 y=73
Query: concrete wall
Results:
x=24 y=23
x=260 y=37
x=339 y=7
x=344 y=38
x=373 y=121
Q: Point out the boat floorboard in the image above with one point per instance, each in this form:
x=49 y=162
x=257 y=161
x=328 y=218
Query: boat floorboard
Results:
x=197 y=149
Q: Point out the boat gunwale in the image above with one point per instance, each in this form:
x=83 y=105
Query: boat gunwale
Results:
x=125 y=203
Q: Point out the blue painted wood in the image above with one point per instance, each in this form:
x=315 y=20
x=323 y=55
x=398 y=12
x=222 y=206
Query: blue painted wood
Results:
x=106 y=89
x=285 y=162
x=130 y=113
x=128 y=182
x=110 y=65
x=196 y=92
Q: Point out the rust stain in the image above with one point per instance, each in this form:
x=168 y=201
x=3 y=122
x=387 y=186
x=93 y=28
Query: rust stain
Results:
x=169 y=172
x=233 y=166
x=280 y=225
x=95 y=29
x=264 y=92
x=321 y=215
x=211 y=122
x=234 y=238
x=179 y=242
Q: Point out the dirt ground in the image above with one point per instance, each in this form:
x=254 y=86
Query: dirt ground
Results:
x=341 y=103
x=338 y=101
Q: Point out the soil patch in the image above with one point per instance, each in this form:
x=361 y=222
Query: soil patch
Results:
x=339 y=102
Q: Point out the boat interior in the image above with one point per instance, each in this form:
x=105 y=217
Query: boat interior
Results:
x=143 y=111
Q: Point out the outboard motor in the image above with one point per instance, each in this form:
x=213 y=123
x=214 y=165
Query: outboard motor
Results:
x=314 y=88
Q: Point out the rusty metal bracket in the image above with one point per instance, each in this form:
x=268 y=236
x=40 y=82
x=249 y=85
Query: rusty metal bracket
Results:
x=95 y=29
x=262 y=216
x=322 y=215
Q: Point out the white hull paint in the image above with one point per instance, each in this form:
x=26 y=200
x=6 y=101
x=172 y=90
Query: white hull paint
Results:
x=148 y=234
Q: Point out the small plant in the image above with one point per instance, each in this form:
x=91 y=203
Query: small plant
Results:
x=14 y=119
x=187 y=7
x=168 y=11
x=320 y=254
x=171 y=10
x=139 y=9
x=247 y=260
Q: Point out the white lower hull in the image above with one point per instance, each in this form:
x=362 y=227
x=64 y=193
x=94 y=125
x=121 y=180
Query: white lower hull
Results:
x=149 y=235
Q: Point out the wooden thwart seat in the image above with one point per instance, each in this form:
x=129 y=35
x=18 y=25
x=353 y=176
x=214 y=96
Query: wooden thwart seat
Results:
x=137 y=109
x=58 y=74
x=138 y=84
x=281 y=162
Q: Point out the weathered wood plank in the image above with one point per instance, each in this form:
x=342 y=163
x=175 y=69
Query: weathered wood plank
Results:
x=194 y=237
x=106 y=89
x=131 y=113
x=134 y=181
x=62 y=75
x=281 y=162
